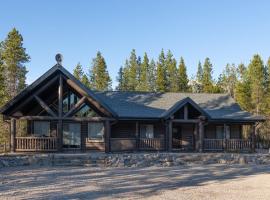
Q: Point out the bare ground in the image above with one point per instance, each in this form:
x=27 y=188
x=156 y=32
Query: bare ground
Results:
x=197 y=182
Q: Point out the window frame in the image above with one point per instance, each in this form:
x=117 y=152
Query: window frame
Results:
x=39 y=121
x=95 y=139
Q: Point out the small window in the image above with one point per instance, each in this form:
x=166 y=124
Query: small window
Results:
x=147 y=130
x=41 y=128
x=96 y=131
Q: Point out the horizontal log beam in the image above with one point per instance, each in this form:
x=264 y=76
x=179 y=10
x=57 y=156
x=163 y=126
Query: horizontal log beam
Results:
x=44 y=106
x=67 y=118
x=185 y=120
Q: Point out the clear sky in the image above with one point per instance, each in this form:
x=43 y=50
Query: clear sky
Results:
x=225 y=30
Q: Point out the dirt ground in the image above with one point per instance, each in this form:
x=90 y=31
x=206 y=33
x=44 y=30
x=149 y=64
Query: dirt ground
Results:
x=197 y=182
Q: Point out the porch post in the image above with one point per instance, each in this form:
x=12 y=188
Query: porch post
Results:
x=137 y=136
x=12 y=134
x=253 y=138
x=201 y=133
x=170 y=135
x=107 y=136
x=224 y=137
x=60 y=110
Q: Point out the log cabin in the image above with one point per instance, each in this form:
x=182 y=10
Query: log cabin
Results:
x=58 y=113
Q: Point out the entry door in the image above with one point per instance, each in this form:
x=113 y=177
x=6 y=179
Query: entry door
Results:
x=71 y=135
x=187 y=131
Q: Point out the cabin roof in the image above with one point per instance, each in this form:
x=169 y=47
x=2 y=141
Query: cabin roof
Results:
x=157 y=105
x=142 y=105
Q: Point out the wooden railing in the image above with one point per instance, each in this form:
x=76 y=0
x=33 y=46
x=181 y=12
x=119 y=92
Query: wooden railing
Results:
x=227 y=145
x=151 y=144
x=36 y=144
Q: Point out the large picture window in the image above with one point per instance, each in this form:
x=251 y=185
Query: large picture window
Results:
x=147 y=130
x=41 y=128
x=96 y=131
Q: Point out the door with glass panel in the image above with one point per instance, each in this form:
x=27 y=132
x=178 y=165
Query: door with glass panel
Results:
x=71 y=135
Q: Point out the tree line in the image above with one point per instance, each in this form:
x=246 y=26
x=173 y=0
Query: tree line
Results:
x=248 y=84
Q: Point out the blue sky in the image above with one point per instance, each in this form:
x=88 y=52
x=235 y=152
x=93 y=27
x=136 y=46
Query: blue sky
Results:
x=225 y=30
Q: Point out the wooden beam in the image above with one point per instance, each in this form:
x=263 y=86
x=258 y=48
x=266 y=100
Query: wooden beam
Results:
x=224 y=137
x=186 y=112
x=44 y=106
x=13 y=135
x=39 y=118
x=45 y=86
x=137 y=135
x=60 y=111
x=83 y=93
x=107 y=136
x=201 y=135
x=253 y=138
x=75 y=107
x=170 y=127
x=185 y=120
x=79 y=119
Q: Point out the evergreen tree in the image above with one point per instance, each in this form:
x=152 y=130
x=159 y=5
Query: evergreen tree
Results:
x=256 y=73
x=182 y=75
x=86 y=81
x=152 y=76
x=125 y=81
x=119 y=79
x=133 y=71
x=171 y=69
x=14 y=57
x=199 y=76
x=99 y=76
x=228 y=78
x=161 y=73
x=3 y=92
x=207 y=80
x=143 y=75
x=78 y=72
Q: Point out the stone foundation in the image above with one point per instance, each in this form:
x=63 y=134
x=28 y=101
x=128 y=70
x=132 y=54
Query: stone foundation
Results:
x=131 y=159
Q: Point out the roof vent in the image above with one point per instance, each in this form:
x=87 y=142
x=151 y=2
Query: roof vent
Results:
x=59 y=58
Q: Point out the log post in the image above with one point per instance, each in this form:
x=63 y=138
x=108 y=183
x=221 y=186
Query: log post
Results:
x=12 y=135
x=137 y=136
x=224 y=137
x=107 y=136
x=253 y=138
x=170 y=135
x=201 y=133
x=60 y=111
x=196 y=137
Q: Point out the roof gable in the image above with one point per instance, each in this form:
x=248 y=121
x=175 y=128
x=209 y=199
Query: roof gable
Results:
x=50 y=76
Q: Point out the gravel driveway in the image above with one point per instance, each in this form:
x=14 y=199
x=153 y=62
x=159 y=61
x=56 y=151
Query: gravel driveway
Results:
x=197 y=182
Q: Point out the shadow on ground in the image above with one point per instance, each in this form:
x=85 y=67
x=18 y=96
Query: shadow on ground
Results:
x=96 y=183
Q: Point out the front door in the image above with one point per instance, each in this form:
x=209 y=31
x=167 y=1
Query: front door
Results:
x=182 y=136
x=71 y=135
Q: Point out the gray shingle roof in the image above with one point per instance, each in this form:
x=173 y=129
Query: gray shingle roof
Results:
x=154 y=105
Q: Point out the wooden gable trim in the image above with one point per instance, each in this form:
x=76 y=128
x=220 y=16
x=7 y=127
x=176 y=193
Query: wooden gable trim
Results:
x=182 y=103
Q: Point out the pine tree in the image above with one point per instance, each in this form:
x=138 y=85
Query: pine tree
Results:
x=99 y=76
x=78 y=72
x=171 y=69
x=125 y=81
x=207 y=80
x=3 y=93
x=161 y=73
x=199 y=76
x=256 y=73
x=182 y=75
x=85 y=81
x=228 y=78
x=133 y=71
x=143 y=74
x=119 y=79
x=152 y=76
x=14 y=57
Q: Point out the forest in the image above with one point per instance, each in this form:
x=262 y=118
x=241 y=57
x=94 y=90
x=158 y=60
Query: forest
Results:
x=249 y=85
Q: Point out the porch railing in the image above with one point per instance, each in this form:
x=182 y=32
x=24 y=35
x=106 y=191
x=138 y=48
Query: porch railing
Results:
x=151 y=144
x=227 y=144
x=36 y=144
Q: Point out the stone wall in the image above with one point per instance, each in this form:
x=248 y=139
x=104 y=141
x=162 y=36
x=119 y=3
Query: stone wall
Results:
x=131 y=159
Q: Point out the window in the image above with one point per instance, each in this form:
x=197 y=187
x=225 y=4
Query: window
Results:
x=219 y=132
x=147 y=130
x=96 y=131
x=41 y=128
